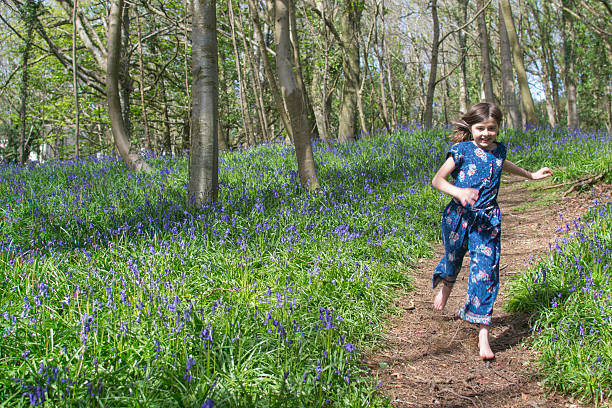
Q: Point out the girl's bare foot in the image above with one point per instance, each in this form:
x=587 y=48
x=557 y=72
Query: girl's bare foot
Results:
x=483 y=343
x=442 y=297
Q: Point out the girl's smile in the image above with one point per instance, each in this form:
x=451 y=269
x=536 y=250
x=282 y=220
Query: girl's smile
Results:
x=485 y=134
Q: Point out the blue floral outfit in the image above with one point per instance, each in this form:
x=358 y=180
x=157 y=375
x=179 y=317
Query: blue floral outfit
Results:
x=475 y=228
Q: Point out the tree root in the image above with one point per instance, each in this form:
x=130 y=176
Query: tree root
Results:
x=583 y=183
x=576 y=184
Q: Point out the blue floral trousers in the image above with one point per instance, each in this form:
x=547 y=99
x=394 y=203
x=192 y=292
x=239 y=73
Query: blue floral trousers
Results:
x=476 y=230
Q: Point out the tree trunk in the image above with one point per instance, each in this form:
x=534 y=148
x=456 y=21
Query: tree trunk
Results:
x=125 y=80
x=294 y=98
x=28 y=10
x=268 y=71
x=75 y=84
x=485 y=58
x=350 y=23
x=509 y=103
x=145 y=116
x=299 y=74
x=246 y=115
x=552 y=69
x=381 y=76
x=569 y=75
x=464 y=99
x=222 y=135
x=366 y=51
x=168 y=146
x=388 y=68
x=257 y=89
x=549 y=72
x=517 y=56
x=433 y=70
x=204 y=153
x=122 y=141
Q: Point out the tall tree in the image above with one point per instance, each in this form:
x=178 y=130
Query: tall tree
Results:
x=122 y=141
x=546 y=55
x=509 y=102
x=293 y=98
x=75 y=84
x=247 y=123
x=268 y=70
x=464 y=99
x=485 y=56
x=203 y=155
x=433 y=66
x=569 y=74
x=350 y=24
x=517 y=58
x=29 y=11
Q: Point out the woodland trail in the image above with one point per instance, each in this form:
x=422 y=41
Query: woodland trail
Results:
x=430 y=358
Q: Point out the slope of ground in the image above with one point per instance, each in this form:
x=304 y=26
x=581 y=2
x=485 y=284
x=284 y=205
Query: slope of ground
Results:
x=430 y=358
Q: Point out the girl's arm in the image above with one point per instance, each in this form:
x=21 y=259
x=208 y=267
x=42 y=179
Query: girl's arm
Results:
x=519 y=171
x=464 y=195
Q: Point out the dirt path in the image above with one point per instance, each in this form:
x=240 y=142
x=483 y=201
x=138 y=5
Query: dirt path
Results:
x=430 y=359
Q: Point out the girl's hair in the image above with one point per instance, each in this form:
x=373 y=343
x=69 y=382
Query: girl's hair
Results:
x=477 y=113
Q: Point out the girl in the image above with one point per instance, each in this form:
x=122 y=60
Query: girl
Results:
x=472 y=219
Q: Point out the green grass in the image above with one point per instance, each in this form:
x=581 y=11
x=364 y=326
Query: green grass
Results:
x=569 y=294
x=116 y=293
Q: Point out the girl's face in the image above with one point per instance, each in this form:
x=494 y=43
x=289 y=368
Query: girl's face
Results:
x=485 y=134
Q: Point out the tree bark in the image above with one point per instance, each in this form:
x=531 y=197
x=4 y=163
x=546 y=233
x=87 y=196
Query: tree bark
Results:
x=257 y=89
x=569 y=75
x=517 y=57
x=223 y=140
x=131 y=158
x=246 y=115
x=294 y=98
x=268 y=71
x=389 y=69
x=145 y=116
x=350 y=23
x=464 y=99
x=433 y=67
x=485 y=58
x=125 y=80
x=299 y=73
x=510 y=105
x=166 y=142
x=75 y=85
x=28 y=11
x=204 y=152
x=550 y=72
x=381 y=76
x=552 y=69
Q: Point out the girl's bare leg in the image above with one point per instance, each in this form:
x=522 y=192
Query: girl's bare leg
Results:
x=483 y=343
x=442 y=297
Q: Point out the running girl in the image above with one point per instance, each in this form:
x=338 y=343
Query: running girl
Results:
x=472 y=220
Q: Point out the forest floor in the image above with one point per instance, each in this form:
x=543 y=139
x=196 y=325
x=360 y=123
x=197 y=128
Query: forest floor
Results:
x=430 y=358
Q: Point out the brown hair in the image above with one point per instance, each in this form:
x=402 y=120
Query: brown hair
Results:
x=477 y=113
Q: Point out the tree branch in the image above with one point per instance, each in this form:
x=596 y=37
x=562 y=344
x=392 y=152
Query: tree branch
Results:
x=327 y=22
x=586 y=22
x=89 y=77
x=466 y=24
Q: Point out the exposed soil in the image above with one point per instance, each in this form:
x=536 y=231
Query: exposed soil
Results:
x=431 y=359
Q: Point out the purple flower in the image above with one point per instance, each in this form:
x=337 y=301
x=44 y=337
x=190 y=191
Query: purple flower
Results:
x=349 y=347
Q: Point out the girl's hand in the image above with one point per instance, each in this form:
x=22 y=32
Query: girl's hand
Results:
x=467 y=196
x=541 y=174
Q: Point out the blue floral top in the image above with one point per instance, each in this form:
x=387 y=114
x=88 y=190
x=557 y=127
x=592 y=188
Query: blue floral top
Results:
x=479 y=169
